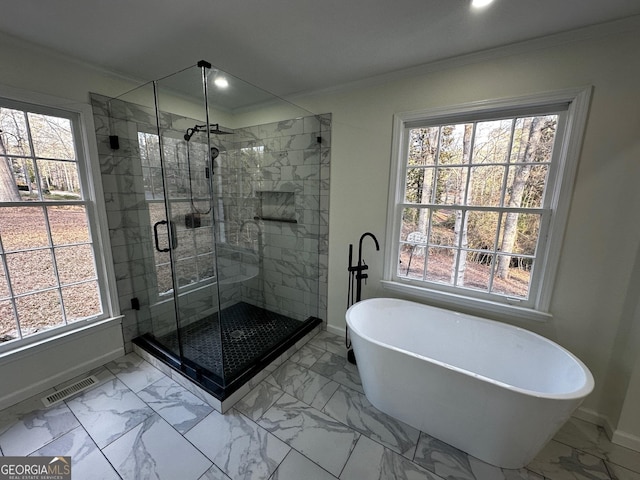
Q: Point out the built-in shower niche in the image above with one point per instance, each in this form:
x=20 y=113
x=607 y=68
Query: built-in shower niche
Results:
x=277 y=206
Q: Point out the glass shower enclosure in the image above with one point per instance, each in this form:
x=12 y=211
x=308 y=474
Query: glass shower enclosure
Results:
x=227 y=187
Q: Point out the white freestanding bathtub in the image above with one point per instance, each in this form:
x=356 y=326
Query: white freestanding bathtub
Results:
x=495 y=391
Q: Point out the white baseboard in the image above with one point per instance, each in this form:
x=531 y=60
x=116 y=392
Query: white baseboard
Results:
x=619 y=437
x=627 y=440
x=51 y=381
x=335 y=330
x=31 y=371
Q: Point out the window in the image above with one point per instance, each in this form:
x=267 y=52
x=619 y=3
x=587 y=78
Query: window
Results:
x=51 y=276
x=480 y=198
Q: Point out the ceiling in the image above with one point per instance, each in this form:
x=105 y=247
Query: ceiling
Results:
x=289 y=46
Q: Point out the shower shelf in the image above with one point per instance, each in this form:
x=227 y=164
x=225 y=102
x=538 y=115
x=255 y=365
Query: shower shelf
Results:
x=270 y=219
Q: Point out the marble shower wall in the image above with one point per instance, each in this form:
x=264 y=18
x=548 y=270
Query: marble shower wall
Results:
x=260 y=166
x=275 y=183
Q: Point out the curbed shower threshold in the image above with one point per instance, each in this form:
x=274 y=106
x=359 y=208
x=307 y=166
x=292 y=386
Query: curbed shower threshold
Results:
x=221 y=393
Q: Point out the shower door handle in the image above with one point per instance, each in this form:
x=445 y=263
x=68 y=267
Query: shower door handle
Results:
x=174 y=237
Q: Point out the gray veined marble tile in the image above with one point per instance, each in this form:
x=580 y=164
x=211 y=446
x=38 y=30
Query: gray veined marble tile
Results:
x=592 y=439
x=28 y=425
x=87 y=461
x=214 y=473
x=134 y=372
x=311 y=432
x=258 y=400
x=108 y=411
x=353 y=409
x=445 y=460
x=561 y=462
x=620 y=473
x=372 y=461
x=453 y=464
x=297 y=467
x=305 y=385
x=153 y=449
x=239 y=447
x=178 y=406
x=307 y=355
x=484 y=471
x=330 y=342
x=338 y=369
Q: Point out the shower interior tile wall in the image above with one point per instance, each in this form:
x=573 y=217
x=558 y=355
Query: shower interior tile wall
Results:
x=284 y=156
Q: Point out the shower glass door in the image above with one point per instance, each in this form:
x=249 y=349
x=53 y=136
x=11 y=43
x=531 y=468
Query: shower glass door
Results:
x=189 y=223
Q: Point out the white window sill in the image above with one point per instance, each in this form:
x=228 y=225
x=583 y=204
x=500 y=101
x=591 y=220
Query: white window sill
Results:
x=473 y=306
x=53 y=337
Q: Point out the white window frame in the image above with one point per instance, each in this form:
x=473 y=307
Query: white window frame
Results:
x=81 y=115
x=557 y=199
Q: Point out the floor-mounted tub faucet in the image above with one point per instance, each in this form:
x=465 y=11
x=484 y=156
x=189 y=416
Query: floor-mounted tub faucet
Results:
x=361 y=266
x=356 y=276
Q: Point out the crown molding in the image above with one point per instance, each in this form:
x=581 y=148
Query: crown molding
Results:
x=599 y=30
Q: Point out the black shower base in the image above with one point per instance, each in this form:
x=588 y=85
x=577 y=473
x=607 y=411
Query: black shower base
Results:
x=252 y=337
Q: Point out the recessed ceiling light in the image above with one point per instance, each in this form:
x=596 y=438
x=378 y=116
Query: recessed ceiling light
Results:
x=480 y=3
x=221 y=82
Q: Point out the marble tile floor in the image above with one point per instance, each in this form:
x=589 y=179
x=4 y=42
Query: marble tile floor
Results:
x=308 y=420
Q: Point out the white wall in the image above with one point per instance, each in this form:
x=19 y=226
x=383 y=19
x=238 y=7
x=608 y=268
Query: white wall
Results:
x=597 y=264
x=602 y=239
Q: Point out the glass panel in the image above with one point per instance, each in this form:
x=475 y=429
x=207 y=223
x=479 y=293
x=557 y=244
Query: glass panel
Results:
x=163 y=275
x=412 y=260
x=533 y=139
x=52 y=137
x=443 y=224
x=13 y=133
x=31 y=271
x=16 y=179
x=492 y=141
x=423 y=146
x=59 y=180
x=206 y=266
x=517 y=280
x=40 y=311
x=75 y=263
x=481 y=230
x=419 y=185
x=450 y=186
x=22 y=228
x=477 y=273
x=413 y=220
x=440 y=265
x=68 y=224
x=81 y=301
x=485 y=186
x=452 y=144
x=8 y=325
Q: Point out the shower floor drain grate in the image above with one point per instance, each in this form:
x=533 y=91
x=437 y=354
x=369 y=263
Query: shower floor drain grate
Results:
x=67 y=392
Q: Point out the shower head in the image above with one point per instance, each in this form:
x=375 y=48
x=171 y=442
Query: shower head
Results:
x=214 y=153
x=213 y=128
